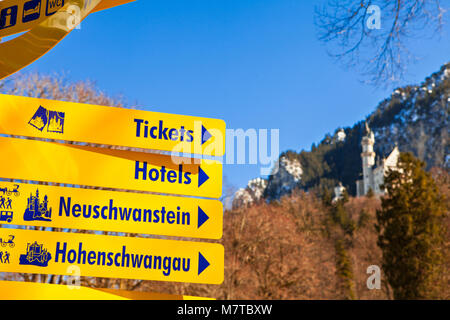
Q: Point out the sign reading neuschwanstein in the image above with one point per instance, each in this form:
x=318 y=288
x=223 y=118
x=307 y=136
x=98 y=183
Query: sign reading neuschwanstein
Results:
x=87 y=209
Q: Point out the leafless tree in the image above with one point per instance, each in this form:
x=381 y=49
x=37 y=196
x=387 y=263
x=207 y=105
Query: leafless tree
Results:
x=381 y=53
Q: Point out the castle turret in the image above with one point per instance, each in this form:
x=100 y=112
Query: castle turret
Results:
x=368 y=158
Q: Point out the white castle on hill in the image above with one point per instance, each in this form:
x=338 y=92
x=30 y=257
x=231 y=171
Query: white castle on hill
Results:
x=373 y=176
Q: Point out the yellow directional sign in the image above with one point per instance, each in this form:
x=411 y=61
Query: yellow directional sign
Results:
x=45 y=33
x=41 y=118
x=88 y=209
x=13 y=290
x=111 y=256
x=21 y=15
x=25 y=159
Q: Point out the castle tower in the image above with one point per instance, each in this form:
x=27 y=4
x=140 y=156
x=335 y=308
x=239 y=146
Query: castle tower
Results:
x=368 y=159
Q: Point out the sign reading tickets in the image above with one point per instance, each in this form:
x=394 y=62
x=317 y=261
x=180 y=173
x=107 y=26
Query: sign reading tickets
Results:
x=88 y=209
x=32 y=117
x=25 y=159
x=45 y=252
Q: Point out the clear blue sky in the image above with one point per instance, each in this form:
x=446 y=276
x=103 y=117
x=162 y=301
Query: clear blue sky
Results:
x=254 y=63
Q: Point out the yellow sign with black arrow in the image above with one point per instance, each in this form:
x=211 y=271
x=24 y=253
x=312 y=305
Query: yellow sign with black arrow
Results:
x=100 y=210
x=25 y=159
x=110 y=256
x=48 y=22
x=69 y=121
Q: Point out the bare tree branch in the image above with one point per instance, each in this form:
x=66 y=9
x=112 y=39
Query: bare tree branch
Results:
x=381 y=55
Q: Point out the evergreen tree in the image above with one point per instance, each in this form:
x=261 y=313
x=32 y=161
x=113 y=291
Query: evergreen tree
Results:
x=341 y=216
x=344 y=270
x=340 y=227
x=411 y=230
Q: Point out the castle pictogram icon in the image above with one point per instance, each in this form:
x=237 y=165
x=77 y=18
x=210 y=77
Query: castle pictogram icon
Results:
x=36 y=255
x=54 y=120
x=37 y=210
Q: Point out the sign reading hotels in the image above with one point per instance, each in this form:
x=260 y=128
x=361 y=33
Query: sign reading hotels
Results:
x=109 y=168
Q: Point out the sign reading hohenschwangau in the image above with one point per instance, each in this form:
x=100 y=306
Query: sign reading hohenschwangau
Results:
x=25 y=159
x=88 y=209
x=32 y=117
x=45 y=252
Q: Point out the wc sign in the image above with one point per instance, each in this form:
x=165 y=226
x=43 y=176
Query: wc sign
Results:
x=15 y=13
x=53 y=6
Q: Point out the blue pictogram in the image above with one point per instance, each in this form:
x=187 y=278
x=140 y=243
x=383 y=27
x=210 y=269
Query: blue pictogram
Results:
x=9 y=242
x=37 y=210
x=8 y=192
x=43 y=117
x=6 y=210
x=8 y=17
x=36 y=255
x=6 y=216
x=53 y=6
x=31 y=10
x=40 y=119
x=56 y=122
x=4 y=257
x=5 y=203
